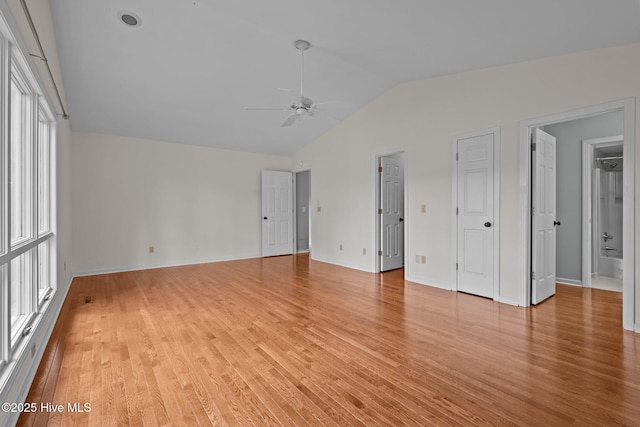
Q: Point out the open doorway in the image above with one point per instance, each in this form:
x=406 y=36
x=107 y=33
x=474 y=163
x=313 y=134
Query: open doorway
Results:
x=603 y=228
x=302 y=218
x=528 y=191
x=390 y=211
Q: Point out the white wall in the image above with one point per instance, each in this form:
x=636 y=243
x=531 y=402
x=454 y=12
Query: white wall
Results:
x=423 y=116
x=193 y=204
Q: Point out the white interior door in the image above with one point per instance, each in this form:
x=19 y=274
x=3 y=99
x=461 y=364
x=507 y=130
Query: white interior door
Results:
x=277 y=213
x=475 y=219
x=543 y=216
x=392 y=206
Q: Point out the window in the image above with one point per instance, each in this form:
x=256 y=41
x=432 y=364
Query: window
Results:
x=21 y=186
x=21 y=278
x=45 y=270
x=27 y=197
x=44 y=172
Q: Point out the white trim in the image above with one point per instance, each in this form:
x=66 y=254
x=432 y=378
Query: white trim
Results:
x=570 y=282
x=627 y=106
x=588 y=147
x=25 y=247
x=376 y=204
x=294 y=210
x=509 y=301
x=341 y=264
x=495 y=131
x=430 y=283
x=154 y=266
x=454 y=216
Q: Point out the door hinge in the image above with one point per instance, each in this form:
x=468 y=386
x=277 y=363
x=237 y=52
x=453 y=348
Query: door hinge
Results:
x=379 y=253
x=380 y=169
x=456 y=157
x=533 y=146
x=533 y=211
x=456 y=211
x=380 y=211
x=533 y=275
x=456 y=266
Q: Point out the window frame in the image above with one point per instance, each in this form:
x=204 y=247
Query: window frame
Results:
x=27 y=145
x=39 y=127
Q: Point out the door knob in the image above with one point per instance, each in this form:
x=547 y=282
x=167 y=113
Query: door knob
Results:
x=487 y=224
x=401 y=219
x=265 y=218
x=556 y=223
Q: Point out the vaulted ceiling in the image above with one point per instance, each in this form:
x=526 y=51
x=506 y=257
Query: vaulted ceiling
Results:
x=188 y=71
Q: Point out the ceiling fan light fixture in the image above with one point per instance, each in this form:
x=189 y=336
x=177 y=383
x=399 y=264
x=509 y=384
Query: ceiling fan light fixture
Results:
x=129 y=18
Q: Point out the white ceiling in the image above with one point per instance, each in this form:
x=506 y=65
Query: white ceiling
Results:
x=188 y=72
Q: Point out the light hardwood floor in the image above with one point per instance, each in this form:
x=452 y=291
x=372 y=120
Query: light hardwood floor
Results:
x=288 y=341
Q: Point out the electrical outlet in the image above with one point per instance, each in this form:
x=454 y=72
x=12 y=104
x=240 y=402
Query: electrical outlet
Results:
x=152 y=249
x=423 y=259
x=423 y=208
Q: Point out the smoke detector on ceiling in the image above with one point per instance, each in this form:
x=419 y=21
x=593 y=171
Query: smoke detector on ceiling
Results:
x=129 y=18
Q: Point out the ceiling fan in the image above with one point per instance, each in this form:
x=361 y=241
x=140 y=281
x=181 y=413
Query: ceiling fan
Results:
x=301 y=106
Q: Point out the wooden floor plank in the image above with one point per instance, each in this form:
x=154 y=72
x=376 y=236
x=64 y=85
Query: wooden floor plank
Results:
x=290 y=341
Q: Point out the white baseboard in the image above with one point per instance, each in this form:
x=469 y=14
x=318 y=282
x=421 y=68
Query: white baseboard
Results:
x=428 y=282
x=509 y=301
x=341 y=264
x=150 y=267
x=570 y=282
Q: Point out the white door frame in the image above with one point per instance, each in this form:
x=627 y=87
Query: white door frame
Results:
x=627 y=106
x=376 y=200
x=495 y=131
x=588 y=147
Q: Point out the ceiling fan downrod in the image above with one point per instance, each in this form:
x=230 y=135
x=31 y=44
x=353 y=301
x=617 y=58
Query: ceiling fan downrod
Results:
x=302 y=45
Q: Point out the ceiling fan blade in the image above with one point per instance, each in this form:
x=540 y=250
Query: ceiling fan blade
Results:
x=267 y=108
x=292 y=118
x=328 y=102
